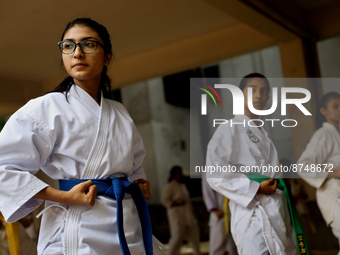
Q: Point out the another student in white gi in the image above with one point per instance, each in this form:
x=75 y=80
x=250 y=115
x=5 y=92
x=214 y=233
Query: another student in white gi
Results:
x=219 y=240
x=183 y=225
x=260 y=221
x=323 y=152
x=74 y=133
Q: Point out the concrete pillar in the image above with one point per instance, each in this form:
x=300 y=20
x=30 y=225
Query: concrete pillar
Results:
x=170 y=126
x=136 y=100
x=299 y=59
x=295 y=56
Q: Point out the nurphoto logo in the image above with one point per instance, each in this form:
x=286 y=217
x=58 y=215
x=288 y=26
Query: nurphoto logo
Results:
x=238 y=104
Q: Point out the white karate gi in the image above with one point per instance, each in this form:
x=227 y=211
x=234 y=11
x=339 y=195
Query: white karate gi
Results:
x=218 y=239
x=71 y=140
x=324 y=148
x=259 y=222
x=183 y=225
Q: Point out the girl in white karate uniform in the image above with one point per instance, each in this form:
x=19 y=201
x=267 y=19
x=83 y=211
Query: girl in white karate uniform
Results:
x=324 y=148
x=75 y=132
x=260 y=221
x=219 y=240
x=183 y=225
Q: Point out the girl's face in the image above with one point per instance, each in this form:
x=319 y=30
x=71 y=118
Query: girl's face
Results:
x=332 y=110
x=260 y=93
x=179 y=175
x=85 y=67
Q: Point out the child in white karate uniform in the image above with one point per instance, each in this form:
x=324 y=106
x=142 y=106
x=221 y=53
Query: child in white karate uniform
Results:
x=324 y=148
x=183 y=225
x=260 y=221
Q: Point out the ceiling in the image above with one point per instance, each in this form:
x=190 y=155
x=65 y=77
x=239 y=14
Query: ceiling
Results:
x=313 y=4
x=155 y=37
x=31 y=29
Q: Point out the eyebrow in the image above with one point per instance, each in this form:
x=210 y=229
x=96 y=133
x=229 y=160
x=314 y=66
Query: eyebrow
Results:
x=85 y=38
x=255 y=86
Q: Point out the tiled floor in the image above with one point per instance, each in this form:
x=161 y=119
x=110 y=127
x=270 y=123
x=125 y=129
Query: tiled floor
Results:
x=329 y=252
x=187 y=250
x=204 y=247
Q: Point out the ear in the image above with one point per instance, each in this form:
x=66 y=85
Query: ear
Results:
x=323 y=111
x=108 y=58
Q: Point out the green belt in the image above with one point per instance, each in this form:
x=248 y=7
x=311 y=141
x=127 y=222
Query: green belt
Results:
x=300 y=236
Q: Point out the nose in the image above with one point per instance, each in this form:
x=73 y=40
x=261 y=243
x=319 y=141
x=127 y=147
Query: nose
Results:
x=78 y=53
x=257 y=93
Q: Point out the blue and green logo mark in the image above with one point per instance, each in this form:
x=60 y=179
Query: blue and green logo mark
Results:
x=204 y=97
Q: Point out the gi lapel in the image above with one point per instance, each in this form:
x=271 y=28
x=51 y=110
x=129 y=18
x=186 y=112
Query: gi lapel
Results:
x=86 y=100
x=92 y=164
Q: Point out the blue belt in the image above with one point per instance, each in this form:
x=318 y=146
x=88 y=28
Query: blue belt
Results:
x=116 y=188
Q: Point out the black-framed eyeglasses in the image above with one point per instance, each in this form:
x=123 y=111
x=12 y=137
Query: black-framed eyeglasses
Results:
x=86 y=46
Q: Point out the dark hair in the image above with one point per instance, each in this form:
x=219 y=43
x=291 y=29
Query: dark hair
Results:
x=174 y=170
x=105 y=82
x=319 y=117
x=253 y=75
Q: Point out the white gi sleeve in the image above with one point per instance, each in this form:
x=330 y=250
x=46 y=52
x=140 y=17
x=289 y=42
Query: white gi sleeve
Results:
x=209 y=195
x=137 y=171
x=317 y=151
x=235 y=186
x=139 y=154
x=25 y=144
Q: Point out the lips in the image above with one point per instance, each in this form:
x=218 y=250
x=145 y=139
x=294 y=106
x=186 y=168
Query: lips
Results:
x=79 y=65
